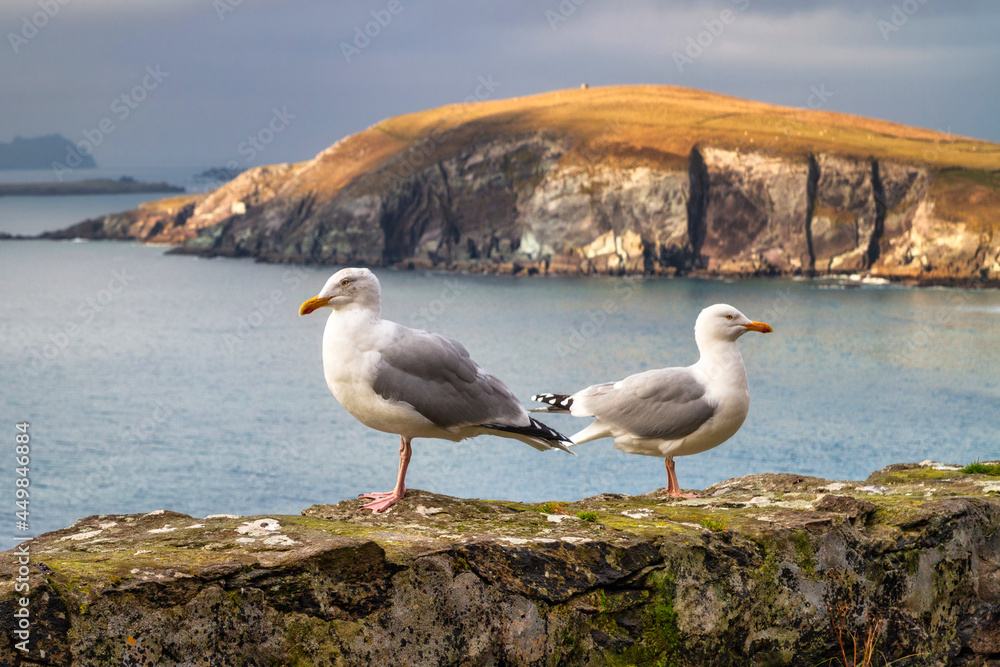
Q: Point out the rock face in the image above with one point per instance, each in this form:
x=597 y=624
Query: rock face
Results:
x=489 y=191
x=761 y=570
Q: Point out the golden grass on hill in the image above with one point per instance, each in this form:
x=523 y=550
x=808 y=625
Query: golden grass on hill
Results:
x=170 y=205
x=673 y=120
x=654 y=125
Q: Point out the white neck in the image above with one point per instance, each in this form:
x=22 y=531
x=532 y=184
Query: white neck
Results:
x=350 y=332
x=356 y=312
x=721 y=360
x=348 y=321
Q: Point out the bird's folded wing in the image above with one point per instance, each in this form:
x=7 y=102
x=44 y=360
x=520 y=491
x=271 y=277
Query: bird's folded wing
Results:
x=437 y=377
x=666 y=404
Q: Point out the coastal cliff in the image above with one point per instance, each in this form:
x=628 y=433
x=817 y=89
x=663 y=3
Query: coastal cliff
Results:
x=760 y=570
x=637 y=179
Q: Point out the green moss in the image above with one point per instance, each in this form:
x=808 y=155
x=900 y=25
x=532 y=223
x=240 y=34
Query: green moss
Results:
x=114 y=565
x=896 y=511
x=310 y=641
x=587 y=516
x=394 y=551
x=978 y=468
x=805 y=557
x=564 y=650
x=660 y=643
x=664 y=518
x=911 y=558
x=345 y=528
x=601 y=600
x=911 y=475
x=765 y=576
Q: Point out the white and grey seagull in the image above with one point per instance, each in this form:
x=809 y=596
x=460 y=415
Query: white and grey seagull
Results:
x=415 y=384
x=672 y=411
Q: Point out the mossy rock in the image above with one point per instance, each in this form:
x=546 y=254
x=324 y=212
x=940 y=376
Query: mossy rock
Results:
x=748 y=573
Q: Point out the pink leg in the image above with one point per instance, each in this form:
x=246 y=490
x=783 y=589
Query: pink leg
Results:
x=384 y=501
x=673 y=487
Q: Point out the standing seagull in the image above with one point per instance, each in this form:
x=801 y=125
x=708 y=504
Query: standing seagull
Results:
x=672 y=411
x=413 y=383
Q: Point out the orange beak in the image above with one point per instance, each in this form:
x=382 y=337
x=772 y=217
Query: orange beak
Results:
x=312 y=304
x=753 y=326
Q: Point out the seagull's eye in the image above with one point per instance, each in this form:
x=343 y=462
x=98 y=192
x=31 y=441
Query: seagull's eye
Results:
x=729 y=317
x=345 y=282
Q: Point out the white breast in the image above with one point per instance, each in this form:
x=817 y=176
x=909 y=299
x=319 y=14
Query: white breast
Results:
x=350 y=358
x=725 y=376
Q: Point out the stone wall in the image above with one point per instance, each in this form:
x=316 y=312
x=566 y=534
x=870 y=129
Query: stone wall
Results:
x=760 y=570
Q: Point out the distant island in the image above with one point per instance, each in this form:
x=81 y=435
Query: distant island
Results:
x=220 y=174
x=40 y=153
x=621 y=180
x=94 y=186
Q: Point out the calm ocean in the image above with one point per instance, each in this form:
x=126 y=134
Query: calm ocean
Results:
x=192 y=385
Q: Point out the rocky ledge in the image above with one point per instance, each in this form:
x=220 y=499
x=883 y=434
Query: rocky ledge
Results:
x=760 y=570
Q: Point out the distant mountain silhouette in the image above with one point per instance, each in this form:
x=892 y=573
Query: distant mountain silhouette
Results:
x=40 y=153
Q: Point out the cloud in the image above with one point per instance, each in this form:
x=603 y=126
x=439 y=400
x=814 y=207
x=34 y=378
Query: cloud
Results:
x=939 y=69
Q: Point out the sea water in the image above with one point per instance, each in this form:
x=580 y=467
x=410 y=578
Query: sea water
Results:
x=163 y=382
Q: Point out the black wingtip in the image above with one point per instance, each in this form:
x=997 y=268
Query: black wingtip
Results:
x=537 y=429
x=559 y=440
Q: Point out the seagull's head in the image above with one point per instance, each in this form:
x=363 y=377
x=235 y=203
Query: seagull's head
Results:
x=347 y=287
x=723 y=322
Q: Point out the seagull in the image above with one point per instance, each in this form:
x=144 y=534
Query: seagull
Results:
x=415 y=384
x=672 y=412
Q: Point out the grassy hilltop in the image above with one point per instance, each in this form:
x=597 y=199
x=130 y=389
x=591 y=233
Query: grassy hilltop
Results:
x=660 y=123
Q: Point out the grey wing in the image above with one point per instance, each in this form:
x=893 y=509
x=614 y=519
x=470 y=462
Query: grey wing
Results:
x=437 y=377
x=667 y=404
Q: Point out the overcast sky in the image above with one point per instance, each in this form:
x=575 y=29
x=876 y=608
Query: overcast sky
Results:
x=200 y=76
